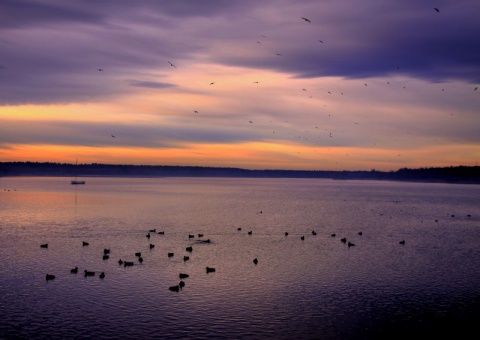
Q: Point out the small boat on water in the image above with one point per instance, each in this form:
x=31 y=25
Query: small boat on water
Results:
x=75 y=181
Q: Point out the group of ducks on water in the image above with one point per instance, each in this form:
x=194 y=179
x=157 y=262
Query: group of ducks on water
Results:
x=106 y=256
x=182 y=276
x=189 y=249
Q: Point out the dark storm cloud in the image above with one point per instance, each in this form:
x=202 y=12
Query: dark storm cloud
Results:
x=378 y=39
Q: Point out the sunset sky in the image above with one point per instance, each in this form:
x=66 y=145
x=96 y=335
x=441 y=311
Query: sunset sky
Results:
x=358 y=85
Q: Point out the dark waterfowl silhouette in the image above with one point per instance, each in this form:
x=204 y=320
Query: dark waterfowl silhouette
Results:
x=189 y=249
x=314 y=232
x=170 y=254
x=181 y=284
x=200 y=235
x=138 y=254
x=174 y=288
x=360 y=233
x=186 y=258
x=49 y=277
x=106 y=257
x=153 y=230
x=255 y=260
x=148 y=236
x=152 y=246
x=120 y=262
x=333 y=235
x=128 y=263
x=306 y=19
x=286 y=233
x=74 y=270
x=100 y=69
x=44 y=245
x=161 y=233
x=191 y=236
x=350 y=244
x=140 y=259
x=302 y=238
x=210 y=270
x=402 y=242
x=239 y=229
x=250 y=233
x=172 y=64
x=344 y=240
x=102 y=275
x=85 y=243
x=183 y=276
x=88 y=273
x=436 y=9
x=113 y=136
x=106 y=251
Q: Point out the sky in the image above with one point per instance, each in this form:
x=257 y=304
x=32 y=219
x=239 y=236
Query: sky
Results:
x=270 y=84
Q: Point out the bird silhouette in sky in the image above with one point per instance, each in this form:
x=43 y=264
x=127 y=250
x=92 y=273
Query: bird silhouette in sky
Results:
x=321 y=41
x=172 y=64
x=212 y=83
x=250 y=121
x=306 y=19
x=475 y=89
x=100 y=69
x=113 y=136
x=195 y=111
x=278 y=54
x=436 y=9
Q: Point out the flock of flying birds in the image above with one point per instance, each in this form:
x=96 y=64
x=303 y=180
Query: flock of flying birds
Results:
x=329 y=133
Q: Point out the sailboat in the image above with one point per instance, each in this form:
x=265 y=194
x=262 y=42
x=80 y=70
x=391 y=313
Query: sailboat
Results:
x=75 y=181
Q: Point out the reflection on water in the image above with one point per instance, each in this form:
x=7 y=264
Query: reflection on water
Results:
x=312 y=288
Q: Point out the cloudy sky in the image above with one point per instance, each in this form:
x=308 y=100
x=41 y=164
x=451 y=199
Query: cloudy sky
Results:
x=271 y=84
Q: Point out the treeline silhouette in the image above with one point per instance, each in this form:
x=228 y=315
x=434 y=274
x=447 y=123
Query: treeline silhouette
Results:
x=454 y=174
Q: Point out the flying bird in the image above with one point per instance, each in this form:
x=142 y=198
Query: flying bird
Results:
x=113 y=136
x=321 y=41
x=436 y=9
x=172 y=64
x=278 y=54
x=100 y=69
x=306 y=19
x=195 y=111
x=212 y=83
x=475 y=89
x=250 y=121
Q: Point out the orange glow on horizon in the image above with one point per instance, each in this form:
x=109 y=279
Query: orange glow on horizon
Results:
x=243 y=155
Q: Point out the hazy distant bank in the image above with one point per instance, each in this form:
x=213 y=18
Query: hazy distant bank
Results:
x=454 y=174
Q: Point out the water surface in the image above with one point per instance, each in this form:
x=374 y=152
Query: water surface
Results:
x=300 y=289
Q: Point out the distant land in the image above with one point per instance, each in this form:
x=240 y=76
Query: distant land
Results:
x=452 y=174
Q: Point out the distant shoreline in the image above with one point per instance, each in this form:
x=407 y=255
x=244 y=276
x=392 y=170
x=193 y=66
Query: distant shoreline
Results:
x=453 y=174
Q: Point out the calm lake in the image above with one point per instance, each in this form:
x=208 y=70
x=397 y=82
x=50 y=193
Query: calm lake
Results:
x=315 y=288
